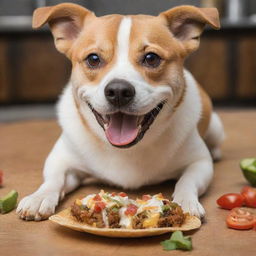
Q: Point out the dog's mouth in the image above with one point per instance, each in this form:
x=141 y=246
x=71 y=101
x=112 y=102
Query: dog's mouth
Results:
x=124 y=130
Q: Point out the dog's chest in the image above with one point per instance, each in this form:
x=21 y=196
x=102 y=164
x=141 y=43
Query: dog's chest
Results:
x=131 y=169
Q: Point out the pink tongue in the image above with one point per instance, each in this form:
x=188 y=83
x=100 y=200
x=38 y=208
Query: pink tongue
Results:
x=122 y=129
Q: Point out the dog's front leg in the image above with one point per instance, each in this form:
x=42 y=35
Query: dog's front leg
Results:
x=192 y=184
x=41 y=204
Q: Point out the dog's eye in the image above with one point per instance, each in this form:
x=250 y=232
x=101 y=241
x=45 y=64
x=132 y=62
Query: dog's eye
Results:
x=151 y=60
x=93 y=60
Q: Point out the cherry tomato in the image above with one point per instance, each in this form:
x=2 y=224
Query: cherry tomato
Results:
x=230 y=201
x=1 y=178
x=240 y=218
x=97 y=198
x=131 y=209
x=249 y=195
x=146 y=197
x=122 y=194
x=99 y=206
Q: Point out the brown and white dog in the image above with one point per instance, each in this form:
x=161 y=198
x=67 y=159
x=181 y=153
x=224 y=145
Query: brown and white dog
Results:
x=131 y=114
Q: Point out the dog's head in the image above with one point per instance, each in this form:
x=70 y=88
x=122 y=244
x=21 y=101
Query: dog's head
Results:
x=126 y=69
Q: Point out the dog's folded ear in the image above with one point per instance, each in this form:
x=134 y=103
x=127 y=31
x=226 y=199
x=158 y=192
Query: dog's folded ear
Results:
x=187 y=23
x=65 y=21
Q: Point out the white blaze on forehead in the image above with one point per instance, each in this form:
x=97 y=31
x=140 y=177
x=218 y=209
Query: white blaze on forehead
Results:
x=123 y=69
x=123 y=39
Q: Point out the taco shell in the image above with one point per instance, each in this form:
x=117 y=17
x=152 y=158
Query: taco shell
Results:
x=64 y=218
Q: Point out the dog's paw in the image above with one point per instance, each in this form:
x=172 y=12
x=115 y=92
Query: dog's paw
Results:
x=190 y=205
x=38 y=206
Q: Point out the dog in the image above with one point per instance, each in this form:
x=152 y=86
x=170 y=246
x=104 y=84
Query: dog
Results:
x=131 y=114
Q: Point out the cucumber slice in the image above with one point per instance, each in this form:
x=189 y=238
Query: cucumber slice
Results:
x=248 y=166
x=8 y=202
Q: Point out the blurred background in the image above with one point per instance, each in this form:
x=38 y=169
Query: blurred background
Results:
x=33 y=73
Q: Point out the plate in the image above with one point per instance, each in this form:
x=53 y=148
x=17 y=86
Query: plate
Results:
x=64 y=218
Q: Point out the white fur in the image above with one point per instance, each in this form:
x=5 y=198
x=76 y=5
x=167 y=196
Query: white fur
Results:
x=178 y=151
x=214 y=136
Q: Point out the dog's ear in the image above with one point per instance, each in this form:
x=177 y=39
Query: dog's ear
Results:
x=65 y=21
x=187 y=23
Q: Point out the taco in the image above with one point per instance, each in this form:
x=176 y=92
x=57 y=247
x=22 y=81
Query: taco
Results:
x=115 y=214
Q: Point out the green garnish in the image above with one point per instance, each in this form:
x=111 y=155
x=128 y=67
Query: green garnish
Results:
x=165 y=208
x=177 y=242
x=106 y=197
x=8 y=202
x=114 y=209
x=168 y=245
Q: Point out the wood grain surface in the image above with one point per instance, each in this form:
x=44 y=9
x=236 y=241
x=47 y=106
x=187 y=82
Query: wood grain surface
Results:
x=23 y=148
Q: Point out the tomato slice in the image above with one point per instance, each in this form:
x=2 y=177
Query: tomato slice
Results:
x=146 y=197
x=249 y=194
x=113 y=194
x=122 y=194
x=97 y=198
x=131 y=209
x=240 y=218
x=230 y=201
x=99 y=206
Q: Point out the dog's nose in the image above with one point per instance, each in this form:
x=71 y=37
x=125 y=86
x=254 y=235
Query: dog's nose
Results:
x=119 y=92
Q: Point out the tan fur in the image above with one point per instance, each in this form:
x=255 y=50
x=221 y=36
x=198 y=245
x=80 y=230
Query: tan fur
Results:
x=150 y=34
x=104 y=43
x=187 y=23
x=65 y=20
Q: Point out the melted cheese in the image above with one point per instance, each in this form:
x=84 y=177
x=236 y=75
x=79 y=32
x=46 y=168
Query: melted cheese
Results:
x=78 y=202
x=152 y=221
x=152 y=205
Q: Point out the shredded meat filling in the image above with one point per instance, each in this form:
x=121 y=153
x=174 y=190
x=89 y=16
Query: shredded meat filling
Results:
x=83 y=214
x=113 y=218
x=138 y=220
x=171 y=216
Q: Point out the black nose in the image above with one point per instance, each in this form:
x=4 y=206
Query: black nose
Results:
x=119 y=92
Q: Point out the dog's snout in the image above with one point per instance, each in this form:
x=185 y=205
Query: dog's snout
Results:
x=119 y=92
